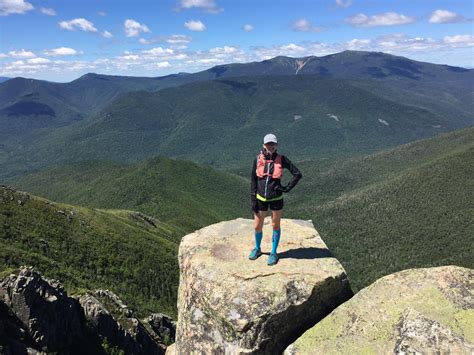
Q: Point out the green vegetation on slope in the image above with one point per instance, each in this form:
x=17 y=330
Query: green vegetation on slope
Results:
x=123 y=251
x=180 y=193
x=221 y=123
x=403 y=208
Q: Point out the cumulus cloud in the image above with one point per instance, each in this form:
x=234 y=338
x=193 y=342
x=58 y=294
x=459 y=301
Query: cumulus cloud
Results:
x=165 y=64
x=178 y=39
x=61 y=51
x=225 y=49
x=207 y=5
x=195 y=26
x=22 y=53
x=355 y=44
x=384 y=19
x=304 y=25
x=8 y=7
x=130 y=57
x=168 y=59
x=48 y=11
x=78 y=23
x=343 y=4
x=291 y=50
x=459 y=40
x=247 y=28
x=133 y=28
x=158 y=52
x=107 y=34
x=399 y=43
x=222 y=52
x=38 y=61
x=174 y=40
x=445 y=16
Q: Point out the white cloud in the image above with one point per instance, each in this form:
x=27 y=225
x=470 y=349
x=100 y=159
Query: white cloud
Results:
x=445 y=16
x=102 y=13
x=176 y=41
x=38 y=61
x=464 y=40
x=163 y=64
x=291 y=50
x=355 y=43
x=107 y=34
x=78 y=23
x=223 y=52
x=207 y=5
x=385 y=19
x=48 y=11
x=195 y=25
x=8 y=7
x=225 y=49
x=21 y=54
x=158 y=52
x=170 y=59
x=180 y=56
x=248 y=28
x=131 y=57
x=343 y=4
x=304 y=25
x=133 y=28
x=207 y=61
x=62 y=51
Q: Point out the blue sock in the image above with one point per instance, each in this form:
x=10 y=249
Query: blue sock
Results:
x=258 y=239
x=275 y=240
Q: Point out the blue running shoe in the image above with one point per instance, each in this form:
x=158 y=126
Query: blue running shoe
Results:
x=272 y=259
x=255 y=253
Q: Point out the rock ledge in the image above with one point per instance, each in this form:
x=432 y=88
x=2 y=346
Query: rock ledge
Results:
x=229 y=304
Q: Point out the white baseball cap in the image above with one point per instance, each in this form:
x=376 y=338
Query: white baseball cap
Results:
x=270 y=138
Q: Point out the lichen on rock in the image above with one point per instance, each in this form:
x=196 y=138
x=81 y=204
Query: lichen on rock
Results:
x=428 y=310
x=230 y=304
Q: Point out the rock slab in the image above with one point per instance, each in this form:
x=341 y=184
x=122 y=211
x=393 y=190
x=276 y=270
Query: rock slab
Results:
x=416 y=311
x=51 y=319
x=228 y=304
x=110 y=318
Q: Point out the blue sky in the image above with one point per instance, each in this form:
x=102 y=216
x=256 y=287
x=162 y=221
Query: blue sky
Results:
x=62 y=40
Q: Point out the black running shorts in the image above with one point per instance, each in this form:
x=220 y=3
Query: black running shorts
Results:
x=274 y=205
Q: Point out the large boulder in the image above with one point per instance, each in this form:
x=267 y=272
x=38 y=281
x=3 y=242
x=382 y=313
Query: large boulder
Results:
x=229 y=304
x=51 y=319
x=111 y=319
x=417 y=311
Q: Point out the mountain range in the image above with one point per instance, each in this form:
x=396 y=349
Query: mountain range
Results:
x=386 y=156
x=348 y=103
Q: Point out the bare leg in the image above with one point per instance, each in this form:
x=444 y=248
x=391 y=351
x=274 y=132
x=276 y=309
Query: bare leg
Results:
x=259 y=218
x=276 y=218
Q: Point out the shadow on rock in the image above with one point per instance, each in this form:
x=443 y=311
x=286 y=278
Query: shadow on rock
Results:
x=306 y=253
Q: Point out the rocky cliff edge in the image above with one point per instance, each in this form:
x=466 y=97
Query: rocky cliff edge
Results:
x=229 y=304
x=415 y=311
